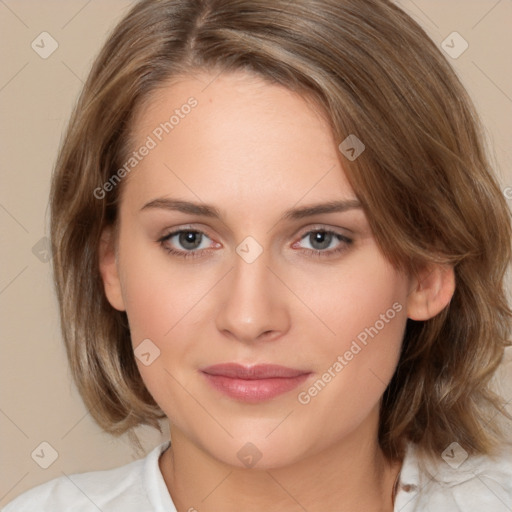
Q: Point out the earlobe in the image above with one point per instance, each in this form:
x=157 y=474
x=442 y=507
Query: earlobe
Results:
x=109 y=269
x=431 y=292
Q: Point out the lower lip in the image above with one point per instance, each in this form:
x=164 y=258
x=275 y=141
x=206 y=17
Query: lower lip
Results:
x=256 y=390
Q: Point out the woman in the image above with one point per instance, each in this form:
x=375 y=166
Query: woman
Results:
x=270 y=225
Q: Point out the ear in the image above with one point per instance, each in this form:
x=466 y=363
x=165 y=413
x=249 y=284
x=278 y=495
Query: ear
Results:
x=431 y=291
x=109 y=269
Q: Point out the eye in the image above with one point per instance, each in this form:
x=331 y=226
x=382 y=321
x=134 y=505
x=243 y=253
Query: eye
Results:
x=321 y=240
x=191 y=240
x=191 y=243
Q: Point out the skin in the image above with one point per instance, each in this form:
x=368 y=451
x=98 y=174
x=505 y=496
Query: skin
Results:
x=254 y=150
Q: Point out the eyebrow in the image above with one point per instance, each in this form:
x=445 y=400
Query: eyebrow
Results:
x=207 y=210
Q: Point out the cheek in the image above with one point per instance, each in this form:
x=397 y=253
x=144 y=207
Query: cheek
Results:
x=159 y=299
x=364 y=310
x=158 y=294
x=165 y=305
x=148 y=304
x=362 y=298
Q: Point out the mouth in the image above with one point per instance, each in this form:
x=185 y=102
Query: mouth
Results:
x=253 y=383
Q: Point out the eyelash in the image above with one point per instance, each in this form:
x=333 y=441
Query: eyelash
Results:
x=313 y=252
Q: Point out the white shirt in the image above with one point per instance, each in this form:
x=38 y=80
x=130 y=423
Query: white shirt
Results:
x=478 y=484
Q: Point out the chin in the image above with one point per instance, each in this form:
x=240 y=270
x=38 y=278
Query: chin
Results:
x=258 y=452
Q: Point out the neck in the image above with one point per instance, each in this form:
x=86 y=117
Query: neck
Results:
x=353 y=475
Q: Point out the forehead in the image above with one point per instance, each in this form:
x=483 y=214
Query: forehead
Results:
x=235 y=137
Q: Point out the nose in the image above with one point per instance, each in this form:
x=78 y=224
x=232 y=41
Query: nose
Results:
x=255 y=302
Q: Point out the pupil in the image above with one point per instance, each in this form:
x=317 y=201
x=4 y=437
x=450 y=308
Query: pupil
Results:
x=323 y=238
x=188 y=238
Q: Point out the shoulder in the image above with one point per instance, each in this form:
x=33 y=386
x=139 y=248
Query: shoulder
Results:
x=455 y=481
x=122 y=488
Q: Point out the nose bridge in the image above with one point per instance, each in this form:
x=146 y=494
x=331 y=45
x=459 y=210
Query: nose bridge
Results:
x=253 y=303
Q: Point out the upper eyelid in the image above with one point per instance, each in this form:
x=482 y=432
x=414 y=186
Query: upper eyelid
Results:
x=319 y=224
x=301 y=233
x=174 y=231
x=322 y=227
x=316 y=227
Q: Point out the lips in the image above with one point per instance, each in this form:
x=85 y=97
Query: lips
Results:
x=253 y=383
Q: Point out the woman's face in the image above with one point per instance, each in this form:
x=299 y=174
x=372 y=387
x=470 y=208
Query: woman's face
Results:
x=256 y=279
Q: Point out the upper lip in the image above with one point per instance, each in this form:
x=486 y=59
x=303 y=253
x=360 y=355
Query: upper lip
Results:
x=255 y=372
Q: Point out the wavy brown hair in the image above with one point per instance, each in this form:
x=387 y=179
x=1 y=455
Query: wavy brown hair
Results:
x=424 y=180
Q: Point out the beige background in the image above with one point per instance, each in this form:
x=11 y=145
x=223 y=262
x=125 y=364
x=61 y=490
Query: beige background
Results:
x=38 y=402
